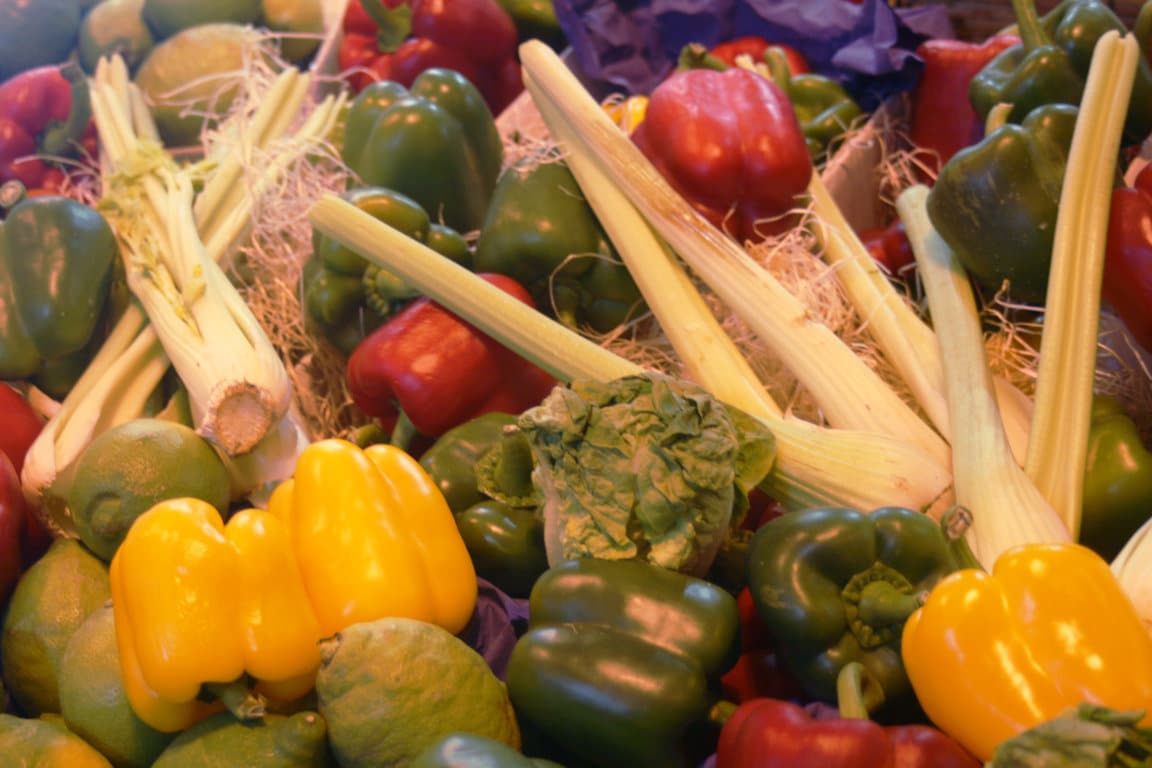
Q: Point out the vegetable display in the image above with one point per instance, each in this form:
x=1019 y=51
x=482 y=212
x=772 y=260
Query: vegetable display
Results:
x=791 y=408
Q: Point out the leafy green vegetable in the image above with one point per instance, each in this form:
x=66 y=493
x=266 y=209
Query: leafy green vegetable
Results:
x=646 y=467
x=1087 y=736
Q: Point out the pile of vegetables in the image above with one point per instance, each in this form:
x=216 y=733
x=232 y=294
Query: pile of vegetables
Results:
x=543 y=417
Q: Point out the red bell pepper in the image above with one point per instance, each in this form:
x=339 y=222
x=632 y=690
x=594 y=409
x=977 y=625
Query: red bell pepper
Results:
x=730 y=143
x=440 y=370
x=43 y=112
x=755 y=47
x=398 y=39
x=943 y=119
x=12 y=522
x=889 y=246
x=772 y=733
x=19 y=427
x=758 y=672
x=1127 y=282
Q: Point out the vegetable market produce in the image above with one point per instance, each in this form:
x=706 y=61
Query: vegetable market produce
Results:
x=466 y=750
x=1083 y=735
x=51 y=600
x=772 y=733
x=46 y=116
x=397 y=40
x=438 y=371
x=731 y=144
x=374 y=537
x=199 y=605
x=345 y=297
x=1128 y=264
x=590 y=620
x=125 y=471
x=825 y=110
x=536 y=19
x=1117 y=480
x=299 y=26
x=37 y=34
x=12 y=524
x=506 y=544
x=995 y=202
x=541 y=232
x=836 y=586
x=46 y=741
x=114 y=27
x=1080 y=639
x=93 y=702
x=451 y=460
x=943 y=120
x=755 y=48
x=673 y=467
x=168 y=17
x=57 y=261
x=392 y=687
x=277 y=740
x=435 y=141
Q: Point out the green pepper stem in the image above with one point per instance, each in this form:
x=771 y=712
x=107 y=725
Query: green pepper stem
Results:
x=721 y=711
x=11 y=193
x=858 y=692
x=1032 y=33
x=696 y=56
x=395 y=24
x=403 y=433
x=778 y=65
x=64 y=138
x=883 y=604
x=997 y=116
x=241 y=701
x=955 y=524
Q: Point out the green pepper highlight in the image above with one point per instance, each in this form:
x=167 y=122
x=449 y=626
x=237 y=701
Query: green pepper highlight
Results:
x=1117 y=497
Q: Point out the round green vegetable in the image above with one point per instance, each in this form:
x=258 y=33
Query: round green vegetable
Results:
x=35 y=33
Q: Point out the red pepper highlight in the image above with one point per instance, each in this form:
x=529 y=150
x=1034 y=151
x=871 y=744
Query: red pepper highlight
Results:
x=731 y=144
x=1127 y=282
x=943 y=119
x=440 y=370
x=755 y=48
x=398 y=39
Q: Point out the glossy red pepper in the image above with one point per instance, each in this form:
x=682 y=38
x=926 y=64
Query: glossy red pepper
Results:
x=731 y=144
x=43 y=112
x=398 y=39
x=889 y=246
x=441 y=371
x=755 y=47
x=19 y=427
x=758 y=672
x=12 y=523
x=943 y=119
x=772 y=733
x=1127 y=283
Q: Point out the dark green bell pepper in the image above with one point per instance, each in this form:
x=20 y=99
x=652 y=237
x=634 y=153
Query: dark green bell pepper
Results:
x=451 y=459
x=58 y=259
x=1051 y=63
x=536 y=20
x=619 y=666
x=995 y=202
x=467 y=750
x=836 y=586
x=1117 y=493
x=346 y=297
x=824 y=108
x=506 y=544
x=435 y=142
x=541 y=232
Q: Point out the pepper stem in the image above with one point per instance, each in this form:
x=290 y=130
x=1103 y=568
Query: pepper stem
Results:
x=696 y=56
x=778 y=67
x=955 y=524
x=1032 y=33
x=11 y=193
x=721 y=711
x=394 y=24
x=63 y=138
x=403 y=432
x=240 y=700
x=883 y=604
x=858 y=692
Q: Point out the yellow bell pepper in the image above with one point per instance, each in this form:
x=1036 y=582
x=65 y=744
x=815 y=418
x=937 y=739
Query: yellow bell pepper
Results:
x=627 y=112
x=990 y=655
x=200 y=605
x=375 y=537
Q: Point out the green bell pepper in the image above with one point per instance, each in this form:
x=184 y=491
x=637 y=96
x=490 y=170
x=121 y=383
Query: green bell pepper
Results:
x=435 y=142
x=824 y=108
x=995 y=202
x=58 y=260
x=345 y=296
x=467 y=750
x=1050 y=64
x=621 y=662
x=452 y=459
x=536 y=20
x=1117 y=494
x=836 y=585
x=540 y=231
x=506 y=544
